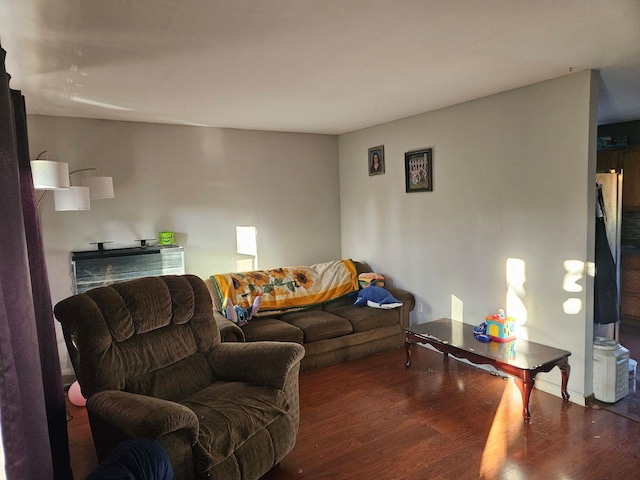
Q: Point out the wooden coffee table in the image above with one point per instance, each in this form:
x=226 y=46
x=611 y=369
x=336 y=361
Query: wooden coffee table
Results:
x=520 y=358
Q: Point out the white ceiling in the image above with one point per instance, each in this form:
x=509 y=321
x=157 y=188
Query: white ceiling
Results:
x=323 y=66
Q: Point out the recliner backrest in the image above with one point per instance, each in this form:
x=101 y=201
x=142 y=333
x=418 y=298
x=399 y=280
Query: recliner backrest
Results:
x=148 y=336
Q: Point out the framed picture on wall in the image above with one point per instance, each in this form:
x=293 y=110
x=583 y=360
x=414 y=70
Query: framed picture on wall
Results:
x=418 y=170
x=375 y=160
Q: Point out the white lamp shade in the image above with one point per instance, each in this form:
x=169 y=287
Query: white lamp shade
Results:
x=99 y=187
x=50 y=175
x=75 y=198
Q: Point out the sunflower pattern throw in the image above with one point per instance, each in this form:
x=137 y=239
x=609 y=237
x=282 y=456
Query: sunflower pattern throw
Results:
x=289 y=287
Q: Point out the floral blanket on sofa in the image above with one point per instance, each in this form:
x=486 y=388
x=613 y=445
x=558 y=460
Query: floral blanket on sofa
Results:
x=289 y=287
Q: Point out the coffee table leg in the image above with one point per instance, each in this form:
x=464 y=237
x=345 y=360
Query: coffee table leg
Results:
x=525 y=385
x=565 y=369
x=407 y=349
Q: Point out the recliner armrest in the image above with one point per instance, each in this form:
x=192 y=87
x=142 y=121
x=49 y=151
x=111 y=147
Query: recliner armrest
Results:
x=142 y=416
x=260 y=363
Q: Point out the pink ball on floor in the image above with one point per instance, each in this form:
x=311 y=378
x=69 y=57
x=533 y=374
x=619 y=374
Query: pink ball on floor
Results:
x=75 y=395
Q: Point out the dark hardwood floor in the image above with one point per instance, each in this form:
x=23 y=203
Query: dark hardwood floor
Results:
x=630 y=338
x=83 y=455
x=373 y=419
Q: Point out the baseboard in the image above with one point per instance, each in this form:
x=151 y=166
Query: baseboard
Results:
x=553 y=389
x=68 y=379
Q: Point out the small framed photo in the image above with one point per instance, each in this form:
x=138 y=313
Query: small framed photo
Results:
x=375 y=160
x=418 y=170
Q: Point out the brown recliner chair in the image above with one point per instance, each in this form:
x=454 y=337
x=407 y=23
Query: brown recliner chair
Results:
x=149 y=360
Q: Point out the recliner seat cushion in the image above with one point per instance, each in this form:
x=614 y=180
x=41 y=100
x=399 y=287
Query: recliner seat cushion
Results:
x=230 y=413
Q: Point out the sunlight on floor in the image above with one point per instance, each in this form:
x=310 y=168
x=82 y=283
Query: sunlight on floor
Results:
x=506 y=427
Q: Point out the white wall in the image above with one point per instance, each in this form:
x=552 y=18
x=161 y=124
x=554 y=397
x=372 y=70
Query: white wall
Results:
x=200 y=183
x=513 y=177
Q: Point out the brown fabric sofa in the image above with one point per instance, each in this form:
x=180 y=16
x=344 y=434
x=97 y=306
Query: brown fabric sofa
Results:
x=331 y=333
x=148 y=357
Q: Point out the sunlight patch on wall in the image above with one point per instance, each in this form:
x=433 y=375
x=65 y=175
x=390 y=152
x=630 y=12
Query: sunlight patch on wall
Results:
x=574 y=269
x=516 y=278
x=456 y=314
x=246 y=244
x=575 y=272
x=457 y=307
x=572 y=306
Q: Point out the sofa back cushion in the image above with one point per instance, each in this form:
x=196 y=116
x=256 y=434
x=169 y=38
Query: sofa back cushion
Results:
x=148 y=336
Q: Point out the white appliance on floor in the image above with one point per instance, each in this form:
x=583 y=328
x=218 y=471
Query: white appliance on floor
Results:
x=610 y=370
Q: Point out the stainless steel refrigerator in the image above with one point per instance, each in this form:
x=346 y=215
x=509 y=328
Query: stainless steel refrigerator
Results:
x=610 y=186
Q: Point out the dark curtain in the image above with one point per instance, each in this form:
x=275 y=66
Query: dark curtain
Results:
x=32 y=403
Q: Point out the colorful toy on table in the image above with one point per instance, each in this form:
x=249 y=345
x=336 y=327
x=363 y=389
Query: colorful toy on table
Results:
x=238 y=314
x=500 y=327
x=480 y=333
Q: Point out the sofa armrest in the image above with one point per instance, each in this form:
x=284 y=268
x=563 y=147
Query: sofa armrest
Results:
x=141 y=416
x=408 y=303
x=229 y=331
x=260 y=363
x=213 y=291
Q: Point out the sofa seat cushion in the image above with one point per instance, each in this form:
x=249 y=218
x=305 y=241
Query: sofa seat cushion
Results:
x=319 y=325
x=230 y=413
x=272 y=329
x=364 y=319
